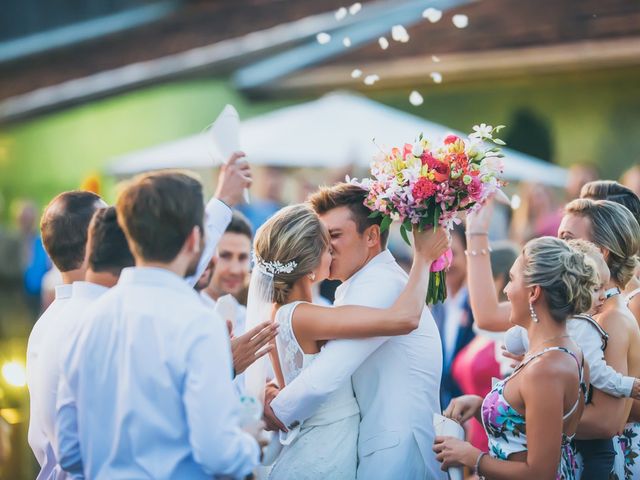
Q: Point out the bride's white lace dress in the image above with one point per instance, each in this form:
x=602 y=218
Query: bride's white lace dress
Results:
x=325 y=445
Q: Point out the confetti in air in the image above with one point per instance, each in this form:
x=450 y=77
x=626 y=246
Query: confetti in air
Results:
x=460 y=21
x=356 y=73
x=383 y=42
x=323 y=38
x=371 y=79
x=436 y=77
x=432 y=14
x=399 y=34
x=435 y=58
x=355 y=8
x=346 y=41
x=416 y=99
x=341 y=13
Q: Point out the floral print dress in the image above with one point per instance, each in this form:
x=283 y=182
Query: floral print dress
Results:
x=626 y=465
x=506 y=428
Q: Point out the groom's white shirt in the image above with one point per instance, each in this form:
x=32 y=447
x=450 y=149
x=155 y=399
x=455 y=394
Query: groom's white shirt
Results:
x=396 y=381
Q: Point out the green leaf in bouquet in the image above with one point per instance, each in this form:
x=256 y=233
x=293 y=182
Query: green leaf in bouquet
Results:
x=375 y=214
x=386 y=222
x=403 y=234
x=436 y=216
x=498 y=141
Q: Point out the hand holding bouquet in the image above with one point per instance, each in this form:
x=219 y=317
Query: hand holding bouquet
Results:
x=425 y=184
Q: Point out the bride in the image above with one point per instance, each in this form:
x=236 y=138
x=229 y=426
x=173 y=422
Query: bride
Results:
x=291 y=254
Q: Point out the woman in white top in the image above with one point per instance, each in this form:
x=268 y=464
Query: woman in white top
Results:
x=292 y=249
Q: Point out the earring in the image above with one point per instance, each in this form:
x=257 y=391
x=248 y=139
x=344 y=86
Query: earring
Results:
x=312 y=276
x=534 y=315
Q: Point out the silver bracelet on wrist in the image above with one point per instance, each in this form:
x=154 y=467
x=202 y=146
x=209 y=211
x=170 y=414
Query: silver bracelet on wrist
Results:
x=477 y=234
x=475 y=253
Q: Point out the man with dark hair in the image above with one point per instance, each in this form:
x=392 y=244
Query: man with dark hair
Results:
x=107 y=253
x=396 y=380
x=454 y=317
x=149 y=371
x=223 y=280
x=64 y=228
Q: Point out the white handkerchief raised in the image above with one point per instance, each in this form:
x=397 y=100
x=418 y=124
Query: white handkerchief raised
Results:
x=225 y=132
x=449 y=428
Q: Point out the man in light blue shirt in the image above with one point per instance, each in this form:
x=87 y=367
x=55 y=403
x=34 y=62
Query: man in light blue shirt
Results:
x=146 y=388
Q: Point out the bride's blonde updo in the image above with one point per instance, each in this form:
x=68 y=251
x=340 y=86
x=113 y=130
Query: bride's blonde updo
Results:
x=566 y=275
x=293 y=234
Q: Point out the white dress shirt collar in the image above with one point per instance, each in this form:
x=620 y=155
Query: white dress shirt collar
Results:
x=155 y=276
x=383 y=257
x=63 y=291
x=87 y=290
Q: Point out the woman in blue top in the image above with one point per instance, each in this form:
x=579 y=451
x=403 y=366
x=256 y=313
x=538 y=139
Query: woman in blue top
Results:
x=531 y=416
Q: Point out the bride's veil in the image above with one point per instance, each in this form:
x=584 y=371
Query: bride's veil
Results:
x=259 y=307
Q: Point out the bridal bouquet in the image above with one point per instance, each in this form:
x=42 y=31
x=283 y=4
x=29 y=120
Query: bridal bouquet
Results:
x=425 y=184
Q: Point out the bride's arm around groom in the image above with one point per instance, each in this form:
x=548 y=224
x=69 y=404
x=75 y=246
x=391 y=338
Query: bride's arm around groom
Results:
x=377 y=286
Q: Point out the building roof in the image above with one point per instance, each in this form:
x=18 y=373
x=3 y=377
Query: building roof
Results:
x=269 y=47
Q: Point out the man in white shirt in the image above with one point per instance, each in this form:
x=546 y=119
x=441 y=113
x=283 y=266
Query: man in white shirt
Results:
x=107 y=254
x=146 y=388
x=396 y=380
x=64 y=228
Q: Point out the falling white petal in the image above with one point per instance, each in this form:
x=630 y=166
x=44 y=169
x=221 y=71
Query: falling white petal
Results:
x=341 y=13
x=323 y=38
x=383 y=42
x=399 y=34
x=436 y=77
x=460 y=21
x=516 y=201
x=432 y=14
x=355 y=8
x=435 y=58
x=346 y=41
x=371 y=79
x=356 y=73
x=416 y=99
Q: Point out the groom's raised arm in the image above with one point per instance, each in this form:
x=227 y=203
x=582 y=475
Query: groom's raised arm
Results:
x=338 y=360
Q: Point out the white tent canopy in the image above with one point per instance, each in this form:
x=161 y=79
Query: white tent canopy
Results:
x=334 y=131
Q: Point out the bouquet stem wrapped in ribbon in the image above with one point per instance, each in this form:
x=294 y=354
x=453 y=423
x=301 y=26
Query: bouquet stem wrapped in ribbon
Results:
x=424 y=184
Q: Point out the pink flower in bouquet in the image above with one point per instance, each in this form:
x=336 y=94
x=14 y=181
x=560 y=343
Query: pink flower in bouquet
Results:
x=449 y=139
x=475 y=189
x=423 y=189
x=443 y=262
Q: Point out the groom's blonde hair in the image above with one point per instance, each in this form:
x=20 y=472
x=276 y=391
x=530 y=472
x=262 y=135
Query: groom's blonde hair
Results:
x=293 y=234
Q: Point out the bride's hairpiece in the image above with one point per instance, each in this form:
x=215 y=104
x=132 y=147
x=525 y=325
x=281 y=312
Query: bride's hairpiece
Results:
x=273 y=268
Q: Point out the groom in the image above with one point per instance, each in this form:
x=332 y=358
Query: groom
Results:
x=396 y=380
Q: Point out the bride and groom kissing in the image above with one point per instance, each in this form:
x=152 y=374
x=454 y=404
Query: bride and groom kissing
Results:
x=356 y=385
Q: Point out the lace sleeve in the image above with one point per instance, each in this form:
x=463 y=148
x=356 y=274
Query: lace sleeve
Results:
x=289 y=352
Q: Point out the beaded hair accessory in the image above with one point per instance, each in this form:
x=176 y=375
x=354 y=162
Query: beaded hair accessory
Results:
x=273 y=268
